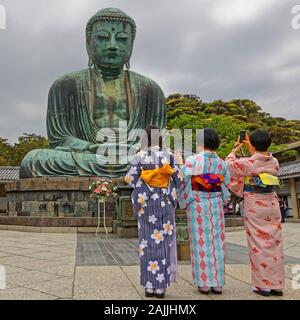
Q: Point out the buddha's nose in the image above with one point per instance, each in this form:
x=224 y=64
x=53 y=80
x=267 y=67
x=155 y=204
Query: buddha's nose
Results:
x=113 y=44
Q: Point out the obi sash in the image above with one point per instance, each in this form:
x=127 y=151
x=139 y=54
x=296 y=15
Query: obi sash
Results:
x=207 y=182
x=257 y=189
x=159 y=177
x=262 y=183
x=263 y=180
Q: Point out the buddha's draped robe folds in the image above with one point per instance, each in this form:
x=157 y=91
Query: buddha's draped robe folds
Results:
x=72 y=129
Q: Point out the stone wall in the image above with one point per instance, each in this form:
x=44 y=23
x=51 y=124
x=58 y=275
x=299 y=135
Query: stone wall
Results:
x=3 y=205
x=53 y=197
x=66 y=202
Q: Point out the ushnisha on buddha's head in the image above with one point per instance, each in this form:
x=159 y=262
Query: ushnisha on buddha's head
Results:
x=110 y=35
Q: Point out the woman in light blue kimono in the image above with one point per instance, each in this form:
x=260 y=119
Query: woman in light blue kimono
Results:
x=204 y=194
x=155 y=177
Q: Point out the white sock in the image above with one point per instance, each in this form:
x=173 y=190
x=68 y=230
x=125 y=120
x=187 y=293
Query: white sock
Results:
x=262 y=289
x=159 y=291
x=217 y=288
x=204 y=288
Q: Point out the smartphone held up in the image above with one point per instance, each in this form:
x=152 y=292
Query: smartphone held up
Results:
x=242 y=135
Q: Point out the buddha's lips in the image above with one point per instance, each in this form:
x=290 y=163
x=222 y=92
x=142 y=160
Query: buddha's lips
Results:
x=112 y=54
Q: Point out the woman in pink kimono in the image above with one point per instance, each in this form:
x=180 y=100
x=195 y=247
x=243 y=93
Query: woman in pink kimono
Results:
x=254 y=178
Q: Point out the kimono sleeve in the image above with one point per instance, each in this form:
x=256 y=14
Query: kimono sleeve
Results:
x=179 y=181
x=134 y=172
x=226 y=195
x=239 y=169
x=182 y=195
x=177 y=176
x=185 y=191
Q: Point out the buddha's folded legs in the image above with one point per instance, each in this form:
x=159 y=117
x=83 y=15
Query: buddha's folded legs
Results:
x=51 y=162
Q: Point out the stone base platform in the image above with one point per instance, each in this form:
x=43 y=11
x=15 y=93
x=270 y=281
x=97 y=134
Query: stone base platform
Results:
x=57 y=230
x=54 y=204
x=54 y=197
x=54 y=222
x=234 y=221
x=55 y=225
x=64 y=204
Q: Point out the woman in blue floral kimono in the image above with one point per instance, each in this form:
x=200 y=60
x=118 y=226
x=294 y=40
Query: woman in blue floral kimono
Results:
x=205 y=193
x=155 y=177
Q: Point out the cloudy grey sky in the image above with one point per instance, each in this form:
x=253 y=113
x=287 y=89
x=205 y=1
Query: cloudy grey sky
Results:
x=217 y=49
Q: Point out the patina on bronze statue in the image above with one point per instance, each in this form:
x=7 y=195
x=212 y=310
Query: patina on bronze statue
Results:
x=81 y=104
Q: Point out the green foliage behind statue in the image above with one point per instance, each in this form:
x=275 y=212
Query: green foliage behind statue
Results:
x=228 y=118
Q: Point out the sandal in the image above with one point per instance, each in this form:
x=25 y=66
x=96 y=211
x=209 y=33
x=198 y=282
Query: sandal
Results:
x=278 y=293
x=216 y=290
x=149 y=294
x=203 y=290
x=262 y=292
x=159 y=293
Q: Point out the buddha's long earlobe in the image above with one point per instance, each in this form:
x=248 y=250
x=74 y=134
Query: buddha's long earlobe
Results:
x=91 y=62
x=127 y=65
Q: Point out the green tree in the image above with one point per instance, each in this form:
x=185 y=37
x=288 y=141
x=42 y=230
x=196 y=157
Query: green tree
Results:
x=27 y=143
x=5 y=152
x=224 y=125
x=189 y=111
x=282 y=135
x=178 y=104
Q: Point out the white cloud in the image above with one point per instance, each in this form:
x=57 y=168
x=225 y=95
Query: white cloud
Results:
x=213 y=48
x=239 y=12
x=38 y=16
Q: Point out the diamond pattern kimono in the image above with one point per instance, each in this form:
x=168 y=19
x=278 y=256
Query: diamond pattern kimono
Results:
x=206 y=220
x=155 y=209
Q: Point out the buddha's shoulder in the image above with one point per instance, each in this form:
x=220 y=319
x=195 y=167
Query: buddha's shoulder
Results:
x=84 y=75
x=144 y=80
x=72 y=77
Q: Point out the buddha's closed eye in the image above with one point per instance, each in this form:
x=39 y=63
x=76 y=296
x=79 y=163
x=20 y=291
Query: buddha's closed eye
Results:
x=122 y=36
x=103 y=37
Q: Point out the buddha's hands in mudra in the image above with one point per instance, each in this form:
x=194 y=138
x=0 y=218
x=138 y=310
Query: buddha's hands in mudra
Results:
x=92 y=148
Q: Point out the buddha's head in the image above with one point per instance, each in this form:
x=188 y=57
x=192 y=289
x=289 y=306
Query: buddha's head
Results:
x=110 y=35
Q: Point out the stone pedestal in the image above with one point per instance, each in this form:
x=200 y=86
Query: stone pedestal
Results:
x=55 y=199
x=65 y=202
x=182 y=234
x=126 y=221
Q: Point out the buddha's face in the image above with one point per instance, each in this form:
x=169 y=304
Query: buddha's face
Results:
x=111 y=43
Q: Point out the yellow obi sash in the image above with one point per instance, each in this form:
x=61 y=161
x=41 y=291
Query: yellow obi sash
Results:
x=263 y=179
x=158 y=177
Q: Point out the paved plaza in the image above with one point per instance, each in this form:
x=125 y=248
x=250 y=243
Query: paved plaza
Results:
x=42 y=266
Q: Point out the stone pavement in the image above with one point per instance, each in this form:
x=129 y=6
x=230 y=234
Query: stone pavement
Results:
x=80 y=266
